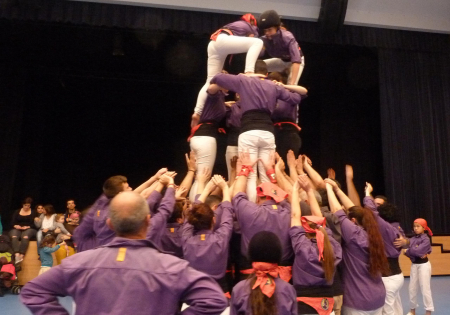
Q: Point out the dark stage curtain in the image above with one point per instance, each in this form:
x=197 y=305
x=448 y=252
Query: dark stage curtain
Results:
x=415 y=122
x=157 y=19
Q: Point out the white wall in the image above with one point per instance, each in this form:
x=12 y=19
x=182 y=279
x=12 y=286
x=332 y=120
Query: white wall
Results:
x=416 y=15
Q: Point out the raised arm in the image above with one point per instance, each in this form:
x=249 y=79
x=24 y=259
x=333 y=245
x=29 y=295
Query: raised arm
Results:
x=189 y=178
x=210 y=186
x=220 y=182
x=292 y=163
x=246 y=166
x=296 y=212
x=294 y=88
x=306 y=186
x=342 y=196
x=150 y=181
x=332 y=200
x=351 y=189
x=315 y=177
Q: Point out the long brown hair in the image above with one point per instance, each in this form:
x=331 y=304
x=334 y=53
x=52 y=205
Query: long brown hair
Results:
x=260 y=303
x=201 y=216
x=328 y=253
x=377 y=257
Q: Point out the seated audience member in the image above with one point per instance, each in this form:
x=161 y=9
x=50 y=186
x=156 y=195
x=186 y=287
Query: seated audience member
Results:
x=363 y=255
x=46 y=223
x=317 y=255
x=39 y=210
x=64 y=234
x=23 y=229
x=205 y=248
x=264 y=292
x=70 y=209
x=121 y=281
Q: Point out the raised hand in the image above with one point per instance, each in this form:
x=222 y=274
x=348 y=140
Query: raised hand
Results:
x=291 y=161
x=299 y=165
x=219 y=181
x=190 y=161
x=233 y=162
x=165 y=179
x=246 y=159
x=179 y=193
x=160 y=172
x=332 y=183
x=348 y=171
x=368 y=189
x=204 y=175
x=304 y=182
x=280 y=164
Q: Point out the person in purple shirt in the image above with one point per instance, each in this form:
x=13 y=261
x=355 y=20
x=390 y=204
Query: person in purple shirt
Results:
x=317 y=255
x=264 y=292
x=234 y=38
x=93 y=230
x=204 y=248
x=363 y=255
x=258 y=100
x=271 y=213
x=285 y=119
x=393 y=282
x=281 y=45
x=127 y=276
x=203 y=138
x=417 y=249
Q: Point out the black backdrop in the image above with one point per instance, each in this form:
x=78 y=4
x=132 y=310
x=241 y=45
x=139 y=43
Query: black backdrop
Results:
x=73 y=114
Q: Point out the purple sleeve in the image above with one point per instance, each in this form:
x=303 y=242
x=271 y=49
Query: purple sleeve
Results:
x=40 y=295
x=202 y=293
x=294 y=51
x=287 y=96
x=369 y=202
x=298 y=237
x=84 y=233
x=152 y=200
x=226 y=224
x=243 y=208
x=158 y=221
x=419 y=249
x=227 y=81
x=348 y=228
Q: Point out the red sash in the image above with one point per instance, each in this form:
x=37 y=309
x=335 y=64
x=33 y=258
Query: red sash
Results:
x=284 y=271
x=278 y=124
x=193 y=130
x=214 y=36
x=323 y=305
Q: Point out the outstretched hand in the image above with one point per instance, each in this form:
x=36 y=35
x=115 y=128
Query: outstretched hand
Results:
x=160 y=172
x=331 y=173
x=400 y=242
x=219 y=181
x=368 y=189
x=290 y=157
x=190 y=161
x=204 y=175
x=246 y=159
x=280 y=163
x=348 y=171
x=304 y=182
x=332 y=183
x=179 y=193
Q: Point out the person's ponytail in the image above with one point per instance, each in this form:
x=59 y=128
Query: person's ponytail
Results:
x=328 y=257
x=260 y=303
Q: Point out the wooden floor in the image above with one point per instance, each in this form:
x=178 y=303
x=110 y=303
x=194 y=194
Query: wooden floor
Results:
x=439 y=257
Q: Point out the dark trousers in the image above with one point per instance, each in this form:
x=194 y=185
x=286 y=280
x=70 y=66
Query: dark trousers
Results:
x=21 y=239
x=287 y=139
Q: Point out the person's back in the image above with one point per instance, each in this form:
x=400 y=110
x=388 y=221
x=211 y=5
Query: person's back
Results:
x=117 y=279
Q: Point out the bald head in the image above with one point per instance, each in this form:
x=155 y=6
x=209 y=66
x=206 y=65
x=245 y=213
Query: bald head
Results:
x=128 y=214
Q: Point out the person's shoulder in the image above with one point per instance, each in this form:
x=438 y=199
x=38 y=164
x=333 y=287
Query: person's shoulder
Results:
x=242 y=288
x=284 y=287
x=287 y=34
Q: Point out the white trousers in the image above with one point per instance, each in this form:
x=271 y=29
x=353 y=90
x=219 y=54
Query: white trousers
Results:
x=351 y=311
x=231 y=151
x=260 y=144
x=393 y=284
x=218 y=51
x=205 y=149
x=420 y=276
x=276 y=64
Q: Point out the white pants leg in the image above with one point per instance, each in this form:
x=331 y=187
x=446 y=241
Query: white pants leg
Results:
x=424 y=271
x=413 y=286
x=218 y=51
x=259 y=143
x=231 y=151
x=276 y=64
x=398 y=306
x=205 y=149
x=393 y=284
x=351 y=311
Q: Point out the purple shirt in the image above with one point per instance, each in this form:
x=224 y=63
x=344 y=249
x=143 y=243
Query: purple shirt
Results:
x=158 y=222
x=268 y=216
x=307 y=269
x=93 y=231
x=388 y=232
x=285 y=296
x=285 y=112
x=207 y=250
x=153 y=200
x=361 y=290
x=214 y=109
x=242 y=28
x=419 y=246
x=398 y=228
x=256 y=93
x=284 y=46
x=234 y=115
x=171 y=240
x=145 y=281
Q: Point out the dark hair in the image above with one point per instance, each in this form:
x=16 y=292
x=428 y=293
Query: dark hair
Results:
x=201 y=216
x=48 y=241
x=278 y=76
x=264 y=246
x=388 y=212
x=328 y=253
x=177 y=212
x=323 y=193
x=49 y=209
x=381 y=197
x=27 y=200
x=113 y=185
x=38 y=205
x=213 y=200
x=377 y=257
x=71 y=199
x=260 y=67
